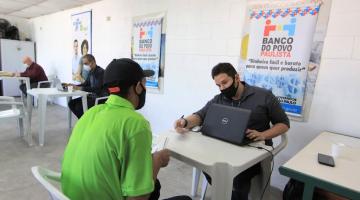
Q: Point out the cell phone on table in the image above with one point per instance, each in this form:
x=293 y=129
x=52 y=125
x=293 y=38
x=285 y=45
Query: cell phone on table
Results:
x=326 y=160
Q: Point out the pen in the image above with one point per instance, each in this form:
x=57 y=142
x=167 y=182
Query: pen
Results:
x=165 y=142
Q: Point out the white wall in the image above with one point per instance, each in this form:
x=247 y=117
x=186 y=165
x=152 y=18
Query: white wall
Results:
x=201 y=33
x=22 y=24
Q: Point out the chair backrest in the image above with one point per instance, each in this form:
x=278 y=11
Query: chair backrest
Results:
x=51 y=82
x=101 y=100
x=7 y=100
x=14 y=111
x=282 y=145
x=52 y=79
x=43 y=176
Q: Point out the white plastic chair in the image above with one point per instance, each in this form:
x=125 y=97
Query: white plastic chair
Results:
x=17 y=111
x=258 y=183
x=44 y=82
x=99 y=100
x=51 y=84
x=43 y=176
x=50 y=81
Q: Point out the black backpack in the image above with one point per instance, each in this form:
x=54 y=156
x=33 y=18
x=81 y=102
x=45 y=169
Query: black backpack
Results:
x=12 y=33
x=293 y=190
x=4 y=24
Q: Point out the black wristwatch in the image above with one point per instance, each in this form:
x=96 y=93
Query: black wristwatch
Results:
x=186 y=122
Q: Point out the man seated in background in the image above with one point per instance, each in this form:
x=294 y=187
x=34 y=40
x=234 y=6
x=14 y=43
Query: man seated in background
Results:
x=35 y=73
x=109 y=152
x=93 y=85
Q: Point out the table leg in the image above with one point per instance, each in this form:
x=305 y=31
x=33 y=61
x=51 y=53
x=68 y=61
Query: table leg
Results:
x=28 y=120
x=195 y=181
x=84 y=103
x=42 y=112
x=204 y=186
x=308 y=191
x=222 y=181
x=22 y=97
x=27 y=84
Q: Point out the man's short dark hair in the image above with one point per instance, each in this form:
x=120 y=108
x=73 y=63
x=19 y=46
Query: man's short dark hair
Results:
x=75 y=40
x=89 y=58
x=226 y=68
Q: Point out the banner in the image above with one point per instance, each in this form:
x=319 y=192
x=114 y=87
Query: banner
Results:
x=146 y=45
x=276 y=51
x=82 y=44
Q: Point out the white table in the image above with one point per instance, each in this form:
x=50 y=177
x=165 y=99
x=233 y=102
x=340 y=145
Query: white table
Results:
x=42 y=94
x=25 y=79
x=222 y=161
x=343 y=179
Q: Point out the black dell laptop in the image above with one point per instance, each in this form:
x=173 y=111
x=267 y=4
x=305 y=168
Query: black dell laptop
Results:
x=227 y=123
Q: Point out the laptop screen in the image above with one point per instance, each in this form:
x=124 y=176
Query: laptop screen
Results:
x=226 y=123
x=57 y=84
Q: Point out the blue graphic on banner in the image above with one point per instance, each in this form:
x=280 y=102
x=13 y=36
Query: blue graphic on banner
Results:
x=150 y=82
x=287 y=87
x=291 y=108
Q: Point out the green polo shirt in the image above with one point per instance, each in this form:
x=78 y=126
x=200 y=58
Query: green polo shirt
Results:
x=109 y=154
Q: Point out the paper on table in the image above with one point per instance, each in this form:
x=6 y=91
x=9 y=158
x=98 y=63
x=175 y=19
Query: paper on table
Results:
x=160 y=145
x=164 y=143
x=4 y=73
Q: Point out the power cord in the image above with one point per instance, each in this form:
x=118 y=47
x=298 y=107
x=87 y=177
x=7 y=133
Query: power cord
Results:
x=272 y=167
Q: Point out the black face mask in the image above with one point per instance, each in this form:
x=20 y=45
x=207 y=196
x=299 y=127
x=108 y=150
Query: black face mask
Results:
x=230 y=91
x=141 y=96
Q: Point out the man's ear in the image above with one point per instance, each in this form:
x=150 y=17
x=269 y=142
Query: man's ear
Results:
x=237 y=77
x=138 y=88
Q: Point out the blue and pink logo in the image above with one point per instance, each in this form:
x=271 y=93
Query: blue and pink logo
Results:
x=289 y=28
x=146 y=34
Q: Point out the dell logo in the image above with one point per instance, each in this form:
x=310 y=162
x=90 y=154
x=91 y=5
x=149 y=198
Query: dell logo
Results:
x=225 y=120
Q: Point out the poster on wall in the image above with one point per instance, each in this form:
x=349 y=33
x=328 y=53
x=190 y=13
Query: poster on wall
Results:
x=148 y=45
x=81 y=43
x=276 y=49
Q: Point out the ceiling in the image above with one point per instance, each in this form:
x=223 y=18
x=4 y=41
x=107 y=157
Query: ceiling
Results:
x=34 y=8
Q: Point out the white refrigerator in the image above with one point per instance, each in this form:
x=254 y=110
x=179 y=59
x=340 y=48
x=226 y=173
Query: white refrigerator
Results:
x=12 y=53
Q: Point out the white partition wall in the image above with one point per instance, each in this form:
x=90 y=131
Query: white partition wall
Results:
x=12 y=53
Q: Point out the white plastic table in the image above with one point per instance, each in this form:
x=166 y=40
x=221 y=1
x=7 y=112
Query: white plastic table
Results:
x=343 y=179
x=25 y=79
x=221 y=160
x=42 y=94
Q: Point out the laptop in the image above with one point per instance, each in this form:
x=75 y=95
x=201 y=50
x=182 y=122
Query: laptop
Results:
x=227 y=123
x=58 y=84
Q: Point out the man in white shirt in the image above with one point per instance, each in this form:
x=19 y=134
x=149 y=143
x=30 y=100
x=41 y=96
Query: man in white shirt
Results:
x=75 y=62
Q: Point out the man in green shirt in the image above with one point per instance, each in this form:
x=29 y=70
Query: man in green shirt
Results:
x=109 y=152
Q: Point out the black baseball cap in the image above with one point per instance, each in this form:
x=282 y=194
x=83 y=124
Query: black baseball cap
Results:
x=126 y=71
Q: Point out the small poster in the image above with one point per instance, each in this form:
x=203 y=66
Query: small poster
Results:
x=82 y=44
x=147 y=43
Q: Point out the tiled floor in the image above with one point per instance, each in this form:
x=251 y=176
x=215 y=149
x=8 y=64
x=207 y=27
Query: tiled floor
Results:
x=16 y=159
